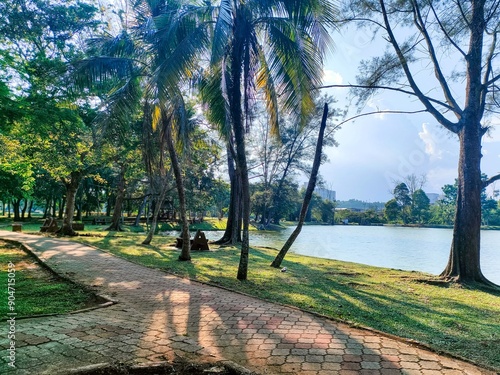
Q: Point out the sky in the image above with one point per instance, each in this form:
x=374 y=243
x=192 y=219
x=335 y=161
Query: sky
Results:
x=374 y=151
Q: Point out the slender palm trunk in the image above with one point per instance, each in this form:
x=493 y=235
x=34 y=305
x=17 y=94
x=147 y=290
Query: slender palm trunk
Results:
x=308 y=195
x=156 y=211
x=186 y=244
x=241 y=159
x=232 y=234
x=120 y=196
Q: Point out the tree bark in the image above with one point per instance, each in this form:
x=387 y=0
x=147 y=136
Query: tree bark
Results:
x=464 y=261
x=238 y=127
x=120 y=195
x=16 y=204
x=186 y=243
x=308 y=195
x=71 y=189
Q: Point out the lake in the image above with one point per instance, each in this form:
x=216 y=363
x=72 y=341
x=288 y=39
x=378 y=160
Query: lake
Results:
x=411 y=249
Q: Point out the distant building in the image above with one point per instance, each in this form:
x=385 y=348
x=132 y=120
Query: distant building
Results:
x=433 y=197
x=331 y=195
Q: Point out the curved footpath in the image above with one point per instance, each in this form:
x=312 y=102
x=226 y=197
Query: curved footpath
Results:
x=159 y=316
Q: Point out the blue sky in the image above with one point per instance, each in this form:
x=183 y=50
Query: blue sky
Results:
x=374 y=151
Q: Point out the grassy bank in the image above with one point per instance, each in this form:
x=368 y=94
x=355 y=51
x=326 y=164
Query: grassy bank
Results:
x=37 y=292
x=459 y=320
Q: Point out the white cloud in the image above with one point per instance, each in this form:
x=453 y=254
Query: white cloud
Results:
x=430 y=142
x=331 y=77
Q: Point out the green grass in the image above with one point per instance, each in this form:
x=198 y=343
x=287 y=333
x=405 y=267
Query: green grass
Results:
x=464 y=321
x=37 y=291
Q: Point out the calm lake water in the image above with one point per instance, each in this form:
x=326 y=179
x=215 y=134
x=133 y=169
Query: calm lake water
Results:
x=412 y=249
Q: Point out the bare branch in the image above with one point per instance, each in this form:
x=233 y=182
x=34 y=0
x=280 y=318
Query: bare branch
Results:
x=420 y=24
x=379 y=113
x=450 y=39
x=439 y=102
x=489 y=69
x=491 y=180
x=462 y=12
x=421 y=96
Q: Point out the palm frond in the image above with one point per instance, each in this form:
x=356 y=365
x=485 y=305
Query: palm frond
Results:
x=222 y=31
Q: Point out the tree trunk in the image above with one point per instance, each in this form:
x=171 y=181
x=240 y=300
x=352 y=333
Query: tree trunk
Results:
x=308 y=195
x=232 y=234
x=54 y=207
x=8 y=209
x=62 y=204
x=23 y=210
x=16 y=204
x=156 y=211
x=141 y=210
x=120 y=195
x=109 y=202
x=30 y=208
x=464 y=261
x=71 y=189
x=186 y=243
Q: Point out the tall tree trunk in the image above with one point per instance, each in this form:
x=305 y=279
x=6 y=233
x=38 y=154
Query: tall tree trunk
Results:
x=109 y=202
x=23 y=210
x=54 y=207
x=464 y=261
x=30 y=209
x=120 y=195
x=16 y=204
x=71 y=188
x=141 y=210
x=156 y=211
x=309 y=192
x=3 y=208
x=47 y=208
x=8 y=209
x=232 y=233
x=186 y=243
x=62 y=204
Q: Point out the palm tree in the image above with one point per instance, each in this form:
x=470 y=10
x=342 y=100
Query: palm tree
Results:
x=271 y=48
x=145 y=68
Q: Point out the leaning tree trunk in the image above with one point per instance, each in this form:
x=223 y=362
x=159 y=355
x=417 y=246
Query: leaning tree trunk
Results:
x=186 y=243
x=235 y=97
x=120 y=195
x=309 y=192
x=71 y=189
x=464 y=261
x=156 y=211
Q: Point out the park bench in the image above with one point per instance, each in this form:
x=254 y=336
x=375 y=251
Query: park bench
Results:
x=199 y=242
x=49 y=225
x=101 y=221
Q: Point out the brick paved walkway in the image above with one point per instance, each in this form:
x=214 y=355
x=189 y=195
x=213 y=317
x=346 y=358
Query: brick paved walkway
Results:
x=159 y=316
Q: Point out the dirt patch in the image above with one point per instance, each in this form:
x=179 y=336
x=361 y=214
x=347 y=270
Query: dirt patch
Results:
x=178 y=367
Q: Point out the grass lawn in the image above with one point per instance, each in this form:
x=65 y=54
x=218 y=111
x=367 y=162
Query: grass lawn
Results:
x=459 y=320
x=36 y=290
